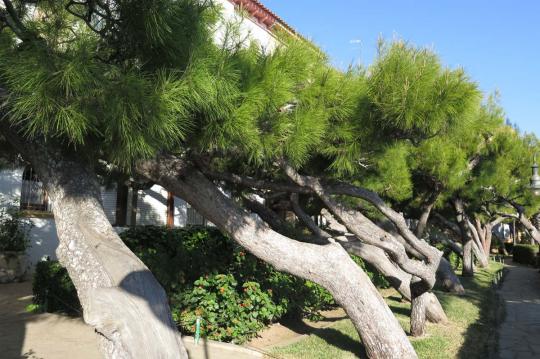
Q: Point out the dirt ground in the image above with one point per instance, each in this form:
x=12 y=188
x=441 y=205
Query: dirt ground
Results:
x=55 y=336
x=40 y=336
x=291 y=331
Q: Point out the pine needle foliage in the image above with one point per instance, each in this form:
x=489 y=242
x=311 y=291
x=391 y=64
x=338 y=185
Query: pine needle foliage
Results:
x=413 y=95
x=122 y=93
x=124 y=80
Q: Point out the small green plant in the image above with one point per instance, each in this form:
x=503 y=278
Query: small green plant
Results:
x=525 y=253
x=33 y=308
x=229 y=311
x=14 y=229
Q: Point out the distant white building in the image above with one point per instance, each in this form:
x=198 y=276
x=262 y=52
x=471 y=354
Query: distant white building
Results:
x=124 y=205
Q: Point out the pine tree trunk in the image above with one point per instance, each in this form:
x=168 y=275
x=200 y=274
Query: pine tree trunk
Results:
x=466 y=237
x=424 y=217
x=397 y=278
x=468 y=259
x=478 y=251
x=535 y=233
x=120 y=297
x=418 y=308
x=448 y=278
x=478 y=245
x=328 y=265
x=489 y=239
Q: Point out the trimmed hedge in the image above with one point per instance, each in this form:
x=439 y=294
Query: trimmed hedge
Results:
x=525 y=253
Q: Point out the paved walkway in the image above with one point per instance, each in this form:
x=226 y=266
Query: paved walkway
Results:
x=519 y=334
x=53 y=336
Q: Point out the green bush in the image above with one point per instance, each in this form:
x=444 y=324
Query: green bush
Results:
x=53 y=289
x=229 y=311
x=179 y=256
x=525 y=253
x=14 y=229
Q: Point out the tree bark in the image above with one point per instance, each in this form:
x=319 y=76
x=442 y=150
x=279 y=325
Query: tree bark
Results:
x=345 y=189
x=419 y=302
x=328 y=265
x=467 y=240
x=534 y=232
x=372 y=234
x=376 y=257
x=120 y=297
x=478 y=245
x=468 y=259
x=397 y=278
x=426 y=212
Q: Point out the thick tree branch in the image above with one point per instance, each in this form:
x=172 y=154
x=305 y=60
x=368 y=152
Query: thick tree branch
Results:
x=369 y=232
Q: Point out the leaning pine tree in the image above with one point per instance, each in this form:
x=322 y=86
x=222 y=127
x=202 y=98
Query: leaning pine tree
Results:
x=125 y=81
x=310 y=137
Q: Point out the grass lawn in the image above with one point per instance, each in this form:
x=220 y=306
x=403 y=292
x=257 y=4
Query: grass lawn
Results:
x=470 y=333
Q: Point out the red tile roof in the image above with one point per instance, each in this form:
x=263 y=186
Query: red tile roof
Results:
x=263 y=15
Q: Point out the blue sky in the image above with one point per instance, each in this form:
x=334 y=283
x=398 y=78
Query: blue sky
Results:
x=497 y=42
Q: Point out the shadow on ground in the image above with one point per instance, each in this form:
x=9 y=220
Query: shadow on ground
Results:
x=478 y=340
x=330 y=335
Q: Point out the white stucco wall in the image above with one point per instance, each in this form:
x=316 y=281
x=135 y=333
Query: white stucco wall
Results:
x=152 y=206
x=180 y=212
x=43 y=238
x=248 y=27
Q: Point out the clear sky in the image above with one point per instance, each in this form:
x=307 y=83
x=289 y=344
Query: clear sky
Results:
x=497 y=42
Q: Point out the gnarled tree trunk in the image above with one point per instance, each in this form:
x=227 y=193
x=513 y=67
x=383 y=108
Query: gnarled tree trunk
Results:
x=120 y=297
x=478 y=246
x=419 y=301
x=426 y=212
x=328 y=265
x=467 y=240
x=376 y=257
x=372 y=234
x=397 y=278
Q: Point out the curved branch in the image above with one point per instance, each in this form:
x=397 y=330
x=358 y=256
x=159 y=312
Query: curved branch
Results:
x=366 y=230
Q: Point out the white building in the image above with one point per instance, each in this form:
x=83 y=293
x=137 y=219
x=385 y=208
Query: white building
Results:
x=123 y=205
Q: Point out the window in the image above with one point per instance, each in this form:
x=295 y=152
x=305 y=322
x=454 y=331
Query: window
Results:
x=33 y=195
x=194 y=218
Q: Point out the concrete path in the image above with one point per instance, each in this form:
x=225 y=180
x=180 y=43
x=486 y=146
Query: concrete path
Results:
x=53 y=336
x=519 y=334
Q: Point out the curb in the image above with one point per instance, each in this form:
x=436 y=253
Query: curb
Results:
x=232 y=348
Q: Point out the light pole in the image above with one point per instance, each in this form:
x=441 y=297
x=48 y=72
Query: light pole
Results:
x=535 y=178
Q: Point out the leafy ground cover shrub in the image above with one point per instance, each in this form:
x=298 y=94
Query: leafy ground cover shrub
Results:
x=525 y=253
x=206 y=275
x=229 y=314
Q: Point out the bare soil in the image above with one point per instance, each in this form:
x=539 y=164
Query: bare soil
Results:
x=290 y=331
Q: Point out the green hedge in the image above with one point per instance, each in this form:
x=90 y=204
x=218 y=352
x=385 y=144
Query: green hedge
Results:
x=53 y=289
x=206 y=274
x=525 y=253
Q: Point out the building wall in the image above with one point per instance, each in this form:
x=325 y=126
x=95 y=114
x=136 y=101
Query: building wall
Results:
x=248 y=27
x=152 y=206
x=43 y=238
